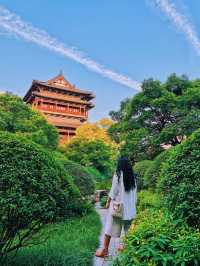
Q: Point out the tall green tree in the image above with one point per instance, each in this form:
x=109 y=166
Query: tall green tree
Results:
x=161 y=114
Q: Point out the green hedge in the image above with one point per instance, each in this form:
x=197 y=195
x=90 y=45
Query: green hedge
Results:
x=34 y=190
x=180 y=182
x=140 y=169
x=152 y=174
x=83 y=178
x=156 y=239
x=147 y=199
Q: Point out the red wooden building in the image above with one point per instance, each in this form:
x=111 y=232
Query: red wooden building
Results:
x=63 y=105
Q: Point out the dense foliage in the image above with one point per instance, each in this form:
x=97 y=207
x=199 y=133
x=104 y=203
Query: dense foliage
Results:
x=34 y=190
x=82 y=178
x=140 y=168
x=17 y=117
x=152 y=174
x=96 y=154
x=156 y=239
x=162 y=114
x=95 y=131
x=180 y=181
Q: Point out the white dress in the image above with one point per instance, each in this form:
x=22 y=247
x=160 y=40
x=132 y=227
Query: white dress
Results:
x=128 y=199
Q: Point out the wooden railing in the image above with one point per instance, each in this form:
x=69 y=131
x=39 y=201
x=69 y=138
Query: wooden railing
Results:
x=58 y=109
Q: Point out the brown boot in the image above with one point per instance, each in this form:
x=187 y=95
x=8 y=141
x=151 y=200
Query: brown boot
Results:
x=101 y=253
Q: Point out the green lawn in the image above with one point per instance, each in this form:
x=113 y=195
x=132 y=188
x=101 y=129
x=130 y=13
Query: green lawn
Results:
x=72 y=243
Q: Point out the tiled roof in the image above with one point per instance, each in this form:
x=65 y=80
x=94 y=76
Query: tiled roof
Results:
x=59 y=82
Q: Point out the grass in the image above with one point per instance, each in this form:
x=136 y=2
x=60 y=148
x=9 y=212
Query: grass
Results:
x=71 y=243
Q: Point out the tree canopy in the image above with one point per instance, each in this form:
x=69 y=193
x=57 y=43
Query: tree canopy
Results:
x=161 y=114
x=91 y=153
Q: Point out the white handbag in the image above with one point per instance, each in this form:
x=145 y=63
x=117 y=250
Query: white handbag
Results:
x=117 y=209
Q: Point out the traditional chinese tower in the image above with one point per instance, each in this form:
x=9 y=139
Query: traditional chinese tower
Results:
x=63 y=105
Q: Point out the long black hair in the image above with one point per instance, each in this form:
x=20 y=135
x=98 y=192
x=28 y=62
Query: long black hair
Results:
x=129 y=178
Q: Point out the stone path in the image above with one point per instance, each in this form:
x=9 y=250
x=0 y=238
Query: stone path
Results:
x=113 y=244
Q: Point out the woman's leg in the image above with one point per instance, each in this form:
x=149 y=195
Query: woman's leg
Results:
x=106 y=242
x=104 y=251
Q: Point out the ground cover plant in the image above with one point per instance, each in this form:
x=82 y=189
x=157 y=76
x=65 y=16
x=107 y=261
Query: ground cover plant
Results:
x=70 y=243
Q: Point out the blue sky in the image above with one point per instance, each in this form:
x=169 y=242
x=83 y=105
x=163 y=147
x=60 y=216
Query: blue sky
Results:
x=130 y=37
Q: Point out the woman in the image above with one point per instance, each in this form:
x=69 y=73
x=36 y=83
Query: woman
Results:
x=123 y=192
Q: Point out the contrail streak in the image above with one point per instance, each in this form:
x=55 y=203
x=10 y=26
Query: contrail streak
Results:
x=13 y=24
x=180 y=21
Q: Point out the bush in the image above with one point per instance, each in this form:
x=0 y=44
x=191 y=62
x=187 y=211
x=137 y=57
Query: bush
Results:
x=180 y=181
x=82 y=178
x=18 y=117
x=156 y=239
x=153 y=172
x=140 y=168
x=97 y=176
x=34 y=190
x=147 y=199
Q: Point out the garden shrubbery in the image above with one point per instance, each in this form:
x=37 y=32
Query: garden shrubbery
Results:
x=140 y=168
x=34 y=190
x=81 y=176
x=180 y=181
x=147 y=199
x=18 y=117
x=157 y=239
x=152 y=173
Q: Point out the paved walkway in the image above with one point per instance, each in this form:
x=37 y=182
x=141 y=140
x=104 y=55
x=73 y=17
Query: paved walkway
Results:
x=113 y=244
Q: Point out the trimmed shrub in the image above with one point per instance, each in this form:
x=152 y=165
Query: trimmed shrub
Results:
x=153 y=172
x=82 y=178
x=34 y=190
x=156 y=239
x=140 y=168
x=180 y=181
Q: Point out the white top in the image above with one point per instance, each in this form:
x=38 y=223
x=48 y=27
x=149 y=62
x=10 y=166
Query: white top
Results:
x=128 y=199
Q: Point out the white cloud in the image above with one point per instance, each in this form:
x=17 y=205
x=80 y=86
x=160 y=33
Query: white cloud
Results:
x=180 y=21
x=13 y=24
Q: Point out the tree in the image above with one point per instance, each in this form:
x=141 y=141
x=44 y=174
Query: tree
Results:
x=177 y=84
x=91 y=153
x=95 y=131
x=17 y=117
x=160 y=114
